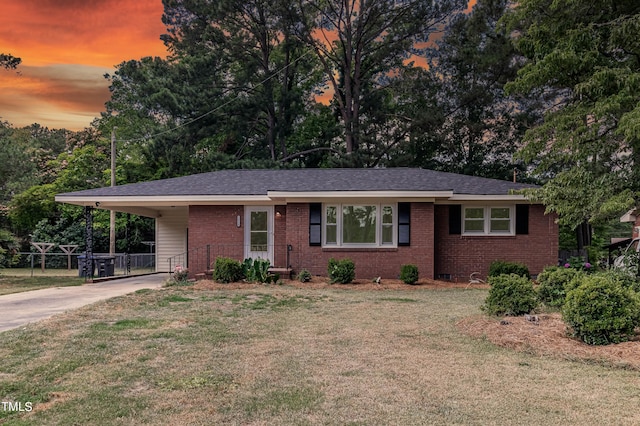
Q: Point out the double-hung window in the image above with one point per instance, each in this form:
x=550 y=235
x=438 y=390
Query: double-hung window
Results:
x=488 y=220
x=359 y=225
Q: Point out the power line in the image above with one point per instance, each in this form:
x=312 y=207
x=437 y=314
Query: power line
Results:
x=200 y=117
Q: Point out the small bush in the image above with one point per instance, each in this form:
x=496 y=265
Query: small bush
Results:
x=601 y=311
x=500 y=267
x=341 y=271
x=304 y=276
x=409 y=274
x=227 y=270
x=510 y=295
x=579 y=263
x=257 y=270
x=180 y=274
x=554 y=282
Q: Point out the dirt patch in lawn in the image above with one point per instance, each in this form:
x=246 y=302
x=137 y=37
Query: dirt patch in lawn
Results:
x=548 y=336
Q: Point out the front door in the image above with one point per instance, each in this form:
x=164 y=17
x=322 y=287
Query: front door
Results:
x=258 y=237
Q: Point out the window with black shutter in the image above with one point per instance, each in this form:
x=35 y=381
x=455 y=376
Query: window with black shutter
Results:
x=455 y=219
x=522 y=219
x=315 y=224
x=404 y=224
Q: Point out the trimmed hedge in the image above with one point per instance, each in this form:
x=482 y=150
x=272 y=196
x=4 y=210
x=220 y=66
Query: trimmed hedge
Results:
x=501 y=267
x=409 y=274
x=601 y=311
x=227 y=270
x=510 y=295
x=555 y=282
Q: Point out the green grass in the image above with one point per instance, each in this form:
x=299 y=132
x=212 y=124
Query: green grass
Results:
x=280 y=355
x=17 y=284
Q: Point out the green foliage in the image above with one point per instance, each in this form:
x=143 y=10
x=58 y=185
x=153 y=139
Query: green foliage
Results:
x=8 y=248
x=583 y=57
x=409 y=274
x=500 y=267
x=257 y=270
x=579 y=263
x=341 y=271
x=510 y=295
x=475 y=59
x=554 y=281
x=227 y=270
x=601 y=311
x=304 y=276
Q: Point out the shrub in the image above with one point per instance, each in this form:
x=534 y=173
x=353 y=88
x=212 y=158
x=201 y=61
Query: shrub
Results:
x=510 y=295
x=257 y=270
x=500 y=267
x=304 y=276
x=409 y=274
x=626 y=278
x=579 y=263
x=227 y=270
x=601 y=311
x=554 y=283
x=341 y=271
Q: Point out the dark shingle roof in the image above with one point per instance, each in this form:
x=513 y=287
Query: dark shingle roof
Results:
x=258 y=182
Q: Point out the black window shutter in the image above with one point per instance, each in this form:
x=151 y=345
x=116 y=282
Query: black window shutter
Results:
x=404 y=224
x=455 y=219
x=522 y=219
x=315 y=224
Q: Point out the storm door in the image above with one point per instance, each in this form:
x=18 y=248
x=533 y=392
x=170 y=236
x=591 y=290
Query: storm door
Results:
x=258 y=237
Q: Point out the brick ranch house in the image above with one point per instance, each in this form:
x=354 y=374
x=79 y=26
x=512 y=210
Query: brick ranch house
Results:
x=449 y=225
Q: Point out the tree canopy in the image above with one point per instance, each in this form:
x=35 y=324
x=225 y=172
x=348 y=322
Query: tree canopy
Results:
x=584 y=63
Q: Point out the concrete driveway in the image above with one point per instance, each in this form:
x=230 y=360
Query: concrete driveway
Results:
x=21 y=308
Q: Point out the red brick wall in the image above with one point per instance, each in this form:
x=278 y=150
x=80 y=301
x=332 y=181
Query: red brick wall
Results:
x=214 y=226
x=433 y=250
x=370 y=263
x=459 y=256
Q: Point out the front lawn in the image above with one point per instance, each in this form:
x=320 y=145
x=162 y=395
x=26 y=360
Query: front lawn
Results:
x=19 y=283
x=282 y=355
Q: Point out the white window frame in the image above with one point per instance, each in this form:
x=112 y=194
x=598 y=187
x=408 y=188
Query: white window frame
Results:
x=379 y=225
x=487 y=220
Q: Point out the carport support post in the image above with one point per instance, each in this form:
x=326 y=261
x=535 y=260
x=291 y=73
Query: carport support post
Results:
x=88 y=239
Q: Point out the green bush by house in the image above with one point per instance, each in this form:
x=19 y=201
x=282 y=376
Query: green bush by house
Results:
x=501 y=267
x=304 y=276
x=341 y=271
x=510 y=295
x=227 y=270
x=409 y=274
x=554 y=283
x=601 y=310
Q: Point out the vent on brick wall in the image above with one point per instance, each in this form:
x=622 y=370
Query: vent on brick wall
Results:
x=444 y=277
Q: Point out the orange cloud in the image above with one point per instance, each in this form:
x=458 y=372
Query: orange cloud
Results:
x=66 y=46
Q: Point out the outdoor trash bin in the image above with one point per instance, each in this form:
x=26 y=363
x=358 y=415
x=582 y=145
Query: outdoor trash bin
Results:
x=106 y=266
x=82 y=264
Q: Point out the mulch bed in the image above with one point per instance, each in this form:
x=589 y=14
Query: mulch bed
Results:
x=549 y=337
x=323 y=282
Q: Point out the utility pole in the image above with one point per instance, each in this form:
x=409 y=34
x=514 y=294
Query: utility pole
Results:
x=112 y=217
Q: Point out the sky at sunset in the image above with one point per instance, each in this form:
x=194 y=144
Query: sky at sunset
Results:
x=66 y=47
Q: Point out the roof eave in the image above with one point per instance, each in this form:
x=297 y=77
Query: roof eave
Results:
x=305 y=196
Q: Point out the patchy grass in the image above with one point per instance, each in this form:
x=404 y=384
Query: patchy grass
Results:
x=282 y=355
x=17 y=284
